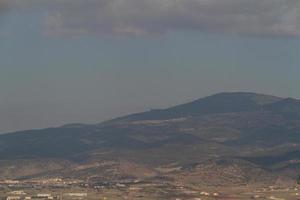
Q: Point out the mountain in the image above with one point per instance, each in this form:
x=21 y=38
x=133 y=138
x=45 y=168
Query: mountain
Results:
x=245 y=137
x=219 y=103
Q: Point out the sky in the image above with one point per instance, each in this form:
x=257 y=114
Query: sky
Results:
x=86 y=61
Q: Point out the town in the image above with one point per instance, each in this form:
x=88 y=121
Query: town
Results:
x=130 y=189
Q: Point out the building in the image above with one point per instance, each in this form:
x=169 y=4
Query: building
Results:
x=44 y=196
x=76 y=195
x=13 y=198
x=18 y=192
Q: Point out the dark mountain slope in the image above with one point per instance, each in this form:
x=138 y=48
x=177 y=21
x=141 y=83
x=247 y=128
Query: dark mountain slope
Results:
x=219 y=103
x=289 y=108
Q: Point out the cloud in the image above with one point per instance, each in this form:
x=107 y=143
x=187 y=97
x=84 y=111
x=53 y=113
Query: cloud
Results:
x=3 y=6
x=142 y=17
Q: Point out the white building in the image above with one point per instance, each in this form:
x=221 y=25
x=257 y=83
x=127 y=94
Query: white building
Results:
x=76 y=194
x=13 y=198
x=44 y=195
x=18 y=192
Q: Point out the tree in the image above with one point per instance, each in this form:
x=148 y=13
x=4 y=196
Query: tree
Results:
x=298 y=180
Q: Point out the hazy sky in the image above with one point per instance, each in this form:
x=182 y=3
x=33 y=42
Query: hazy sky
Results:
x=86 y=61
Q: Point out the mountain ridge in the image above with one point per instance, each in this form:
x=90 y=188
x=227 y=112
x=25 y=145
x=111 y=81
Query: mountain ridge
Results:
x=253 y=100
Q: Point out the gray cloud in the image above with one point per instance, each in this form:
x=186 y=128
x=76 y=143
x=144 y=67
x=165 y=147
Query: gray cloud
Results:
x=3 y=6
x=140 y=17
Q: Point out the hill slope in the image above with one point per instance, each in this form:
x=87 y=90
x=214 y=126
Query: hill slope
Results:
x=259 y=132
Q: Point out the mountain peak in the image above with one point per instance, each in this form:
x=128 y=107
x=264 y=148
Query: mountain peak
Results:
x=226 y=102
x=260 y=99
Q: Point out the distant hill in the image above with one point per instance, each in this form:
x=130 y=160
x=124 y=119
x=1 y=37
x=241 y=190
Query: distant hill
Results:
x=247 y=132
x=219 y=103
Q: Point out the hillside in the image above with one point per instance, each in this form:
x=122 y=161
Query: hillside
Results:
x=237 y=134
